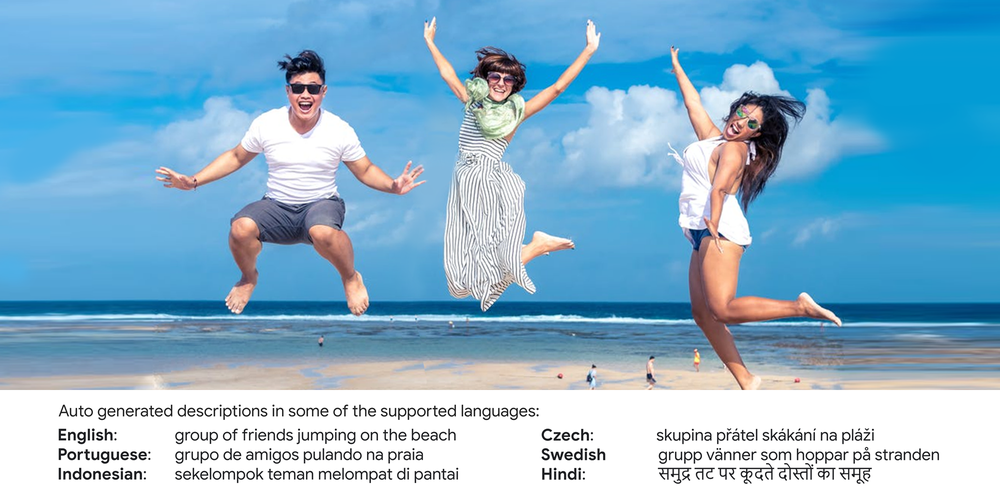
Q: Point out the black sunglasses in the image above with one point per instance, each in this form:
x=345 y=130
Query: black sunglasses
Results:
x=298 y=88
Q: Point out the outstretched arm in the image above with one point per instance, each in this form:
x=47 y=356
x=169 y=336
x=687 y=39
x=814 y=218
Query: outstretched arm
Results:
x=548 y=95
x=225 y=164
x=370 y=175
x=444 y=67
x=702 y=123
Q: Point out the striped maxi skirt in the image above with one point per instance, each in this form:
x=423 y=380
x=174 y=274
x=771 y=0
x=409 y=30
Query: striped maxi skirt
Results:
x=484 y=230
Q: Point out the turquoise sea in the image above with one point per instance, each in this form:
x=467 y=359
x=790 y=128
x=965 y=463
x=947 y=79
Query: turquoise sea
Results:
x=102 y=337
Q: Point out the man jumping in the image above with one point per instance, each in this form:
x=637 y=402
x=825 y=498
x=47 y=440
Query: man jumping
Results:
x=303 y=145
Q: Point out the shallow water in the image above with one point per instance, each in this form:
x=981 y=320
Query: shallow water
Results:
x=60 y=338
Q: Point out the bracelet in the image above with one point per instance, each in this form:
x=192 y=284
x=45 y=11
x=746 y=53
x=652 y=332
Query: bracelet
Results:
x=195 y=179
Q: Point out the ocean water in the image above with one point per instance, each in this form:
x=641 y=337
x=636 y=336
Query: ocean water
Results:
x=100 y=337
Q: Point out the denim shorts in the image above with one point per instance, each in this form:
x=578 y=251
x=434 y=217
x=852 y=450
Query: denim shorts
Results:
x=695 y=236
x=286 y=224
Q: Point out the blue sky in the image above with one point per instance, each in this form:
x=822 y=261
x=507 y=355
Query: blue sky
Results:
x=885 y=193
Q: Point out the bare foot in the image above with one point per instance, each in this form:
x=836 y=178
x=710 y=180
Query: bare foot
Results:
x=357 y=294
x=241 y=292
x=813 y=310
x=547 y=243
x=754 y=384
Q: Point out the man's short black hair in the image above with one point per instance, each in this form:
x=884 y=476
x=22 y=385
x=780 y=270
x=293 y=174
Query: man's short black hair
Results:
x=306 y=62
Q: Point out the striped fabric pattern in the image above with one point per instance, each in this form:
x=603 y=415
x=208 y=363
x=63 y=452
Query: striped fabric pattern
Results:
x=484 y=229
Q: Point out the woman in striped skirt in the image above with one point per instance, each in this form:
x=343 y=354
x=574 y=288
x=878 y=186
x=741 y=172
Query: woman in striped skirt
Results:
x=484 y=232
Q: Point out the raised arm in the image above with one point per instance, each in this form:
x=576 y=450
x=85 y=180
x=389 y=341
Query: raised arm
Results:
x=444 y=67
x=370 y=175
x=703 y=125
x=548 y=95
x=225 y=164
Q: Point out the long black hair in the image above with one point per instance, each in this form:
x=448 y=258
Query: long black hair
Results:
x=773 y=132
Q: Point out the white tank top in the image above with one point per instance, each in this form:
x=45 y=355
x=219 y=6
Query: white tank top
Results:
x=696 y=186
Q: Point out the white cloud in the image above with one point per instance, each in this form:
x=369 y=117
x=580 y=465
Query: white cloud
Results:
x=369 y=220
x=118 y=44
x=628 y=133
x=625 y=140
x=820 y=141
x=127 y=166
x=387 y=225
x=400 y=232
x=344 y=16
x=766 y=235
x=738 y=79
x=199 y=140
x=796 y=31
x=822 y=227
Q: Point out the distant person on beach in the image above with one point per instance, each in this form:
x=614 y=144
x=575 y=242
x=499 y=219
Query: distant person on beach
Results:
x=303 y=145
x=737 y=160
x=697 y=361
x=321 y=341
x=592 y=377
x=650 y=373
x=484 y=249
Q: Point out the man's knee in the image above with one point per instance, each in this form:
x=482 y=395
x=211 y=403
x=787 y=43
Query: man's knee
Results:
x=244 y=229
x=325 y=235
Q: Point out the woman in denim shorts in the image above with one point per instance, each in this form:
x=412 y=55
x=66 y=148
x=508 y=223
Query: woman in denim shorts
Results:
x=723 y=172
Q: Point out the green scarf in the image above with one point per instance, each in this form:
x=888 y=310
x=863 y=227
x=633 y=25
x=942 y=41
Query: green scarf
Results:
x=495 y=119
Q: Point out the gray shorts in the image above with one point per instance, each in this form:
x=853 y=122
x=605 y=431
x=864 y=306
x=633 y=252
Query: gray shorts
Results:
x=286 y=224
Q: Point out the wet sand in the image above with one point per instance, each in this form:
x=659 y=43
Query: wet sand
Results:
x=458 y=375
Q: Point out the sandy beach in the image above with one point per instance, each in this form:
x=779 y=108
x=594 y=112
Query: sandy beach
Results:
x=457 y=375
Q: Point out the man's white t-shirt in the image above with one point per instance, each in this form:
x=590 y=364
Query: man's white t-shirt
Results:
x=302 y=168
